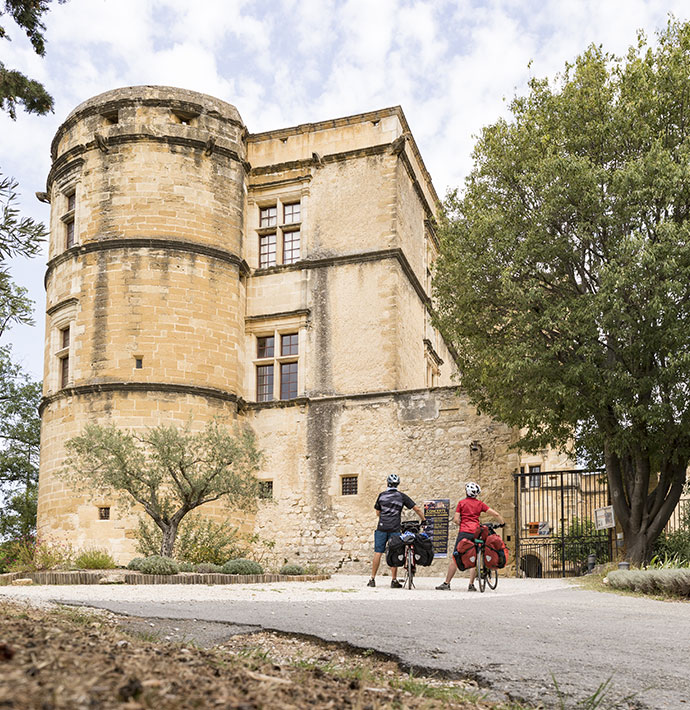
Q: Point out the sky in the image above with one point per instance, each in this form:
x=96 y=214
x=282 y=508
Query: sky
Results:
x=453 y=66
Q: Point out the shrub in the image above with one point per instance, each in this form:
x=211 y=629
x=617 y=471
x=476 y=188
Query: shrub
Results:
x=94 y=559
x=199 y=539
x=135 y=563
x=208 y=568
x=155 y=564
x=37 y=555
x=242 y=566
x=652 y=581
x=186 y=567
x=292 y=569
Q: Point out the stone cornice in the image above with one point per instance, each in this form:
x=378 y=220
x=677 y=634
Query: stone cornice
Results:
x=126 y=387
x=358 y=258
x=306 y=401
x=146 y=243
x=116 y=104
x=62 y=304
x=124 y=138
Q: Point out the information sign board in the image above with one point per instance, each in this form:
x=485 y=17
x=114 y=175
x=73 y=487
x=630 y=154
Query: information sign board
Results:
x=437 y=513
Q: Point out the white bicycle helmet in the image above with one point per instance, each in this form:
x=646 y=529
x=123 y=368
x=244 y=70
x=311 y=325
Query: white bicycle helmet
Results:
x=393 y=480
x=472 y=489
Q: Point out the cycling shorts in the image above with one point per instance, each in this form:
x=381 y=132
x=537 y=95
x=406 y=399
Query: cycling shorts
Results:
x=381 y=538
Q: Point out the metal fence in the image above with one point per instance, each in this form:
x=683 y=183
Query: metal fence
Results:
x=554 y=522
x=680 y=515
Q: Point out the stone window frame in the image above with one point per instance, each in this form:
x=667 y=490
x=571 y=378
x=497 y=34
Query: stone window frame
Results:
x=346 y=484
x=68 y=218
x=61 y=321
x=266 y=489
x=276 y=326
x=279 y=241
x=275 y=361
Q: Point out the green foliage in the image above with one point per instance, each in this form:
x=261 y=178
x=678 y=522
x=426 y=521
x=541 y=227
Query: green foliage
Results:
x=135 y=563
x=20 y=428
x=292 y=569
x=168 y=471
x=94 y=559
x=563 y=282
x=208 y=568
x=39 y=555
x=157 y=564
x=186 y=567
x=583 y=539
x=676 y=544
x=14 y=86
x=242 y=566
x=199 y=539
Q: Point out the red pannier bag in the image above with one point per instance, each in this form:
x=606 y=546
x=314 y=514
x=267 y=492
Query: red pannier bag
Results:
x=495 y=552
x=465 y=554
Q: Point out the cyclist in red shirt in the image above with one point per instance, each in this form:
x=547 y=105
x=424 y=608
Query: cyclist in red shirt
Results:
x=467 y=517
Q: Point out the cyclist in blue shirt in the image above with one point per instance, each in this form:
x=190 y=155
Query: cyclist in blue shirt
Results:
x=389 y=506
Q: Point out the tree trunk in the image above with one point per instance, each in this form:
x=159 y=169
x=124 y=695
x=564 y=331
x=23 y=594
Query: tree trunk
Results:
x=168 y=541
x=642 y=514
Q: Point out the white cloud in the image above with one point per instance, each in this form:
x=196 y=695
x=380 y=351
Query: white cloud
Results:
x=449 y=63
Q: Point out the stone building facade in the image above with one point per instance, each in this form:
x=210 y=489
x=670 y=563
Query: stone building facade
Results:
x=280 y=279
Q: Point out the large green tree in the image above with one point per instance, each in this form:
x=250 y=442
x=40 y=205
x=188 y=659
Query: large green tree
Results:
x=167 y=471
x=20 y=428
x=564 y=278
x=15 y=87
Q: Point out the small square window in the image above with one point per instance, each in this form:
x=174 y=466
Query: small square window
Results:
x=267 y=251
x=267 y=217
x=292 y=213
x=138 y=362
x=265 y=489
x=291 y=251
x=264 y=383
x=104 y=512
x=288 y=380
x=348 y=485
x=289 y=344
x=265 y=346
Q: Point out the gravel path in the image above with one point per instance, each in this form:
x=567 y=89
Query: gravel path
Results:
x=514 y=640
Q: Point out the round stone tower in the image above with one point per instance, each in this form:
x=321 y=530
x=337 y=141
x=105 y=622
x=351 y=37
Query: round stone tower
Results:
x=145 y=281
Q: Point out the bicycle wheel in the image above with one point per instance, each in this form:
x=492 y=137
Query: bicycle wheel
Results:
x=409 y=567
x=492 y=578
x=481 y=579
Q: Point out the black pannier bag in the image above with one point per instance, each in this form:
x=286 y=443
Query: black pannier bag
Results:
x=395 y=552
x=423 y=549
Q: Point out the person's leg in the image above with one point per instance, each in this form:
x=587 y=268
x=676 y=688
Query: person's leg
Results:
x=375 y=564
x=452 y=569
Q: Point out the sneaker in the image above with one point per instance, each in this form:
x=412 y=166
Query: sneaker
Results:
x=371 y=582
x=471 y=588
x=395 y=584
x=444 y=586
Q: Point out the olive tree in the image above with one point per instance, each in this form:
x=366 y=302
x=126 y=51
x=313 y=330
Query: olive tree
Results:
x=167 y=471
x=563 y=282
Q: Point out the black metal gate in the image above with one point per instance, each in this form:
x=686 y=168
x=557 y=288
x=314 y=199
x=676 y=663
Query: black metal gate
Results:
x=554 y=522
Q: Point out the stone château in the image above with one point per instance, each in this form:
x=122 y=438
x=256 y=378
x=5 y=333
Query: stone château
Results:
x=280 y=279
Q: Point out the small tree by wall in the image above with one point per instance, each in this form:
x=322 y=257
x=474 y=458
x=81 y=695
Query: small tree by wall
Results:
x=168 y=471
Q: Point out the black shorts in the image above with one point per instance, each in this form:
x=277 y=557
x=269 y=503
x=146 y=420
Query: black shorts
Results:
x=464 y=536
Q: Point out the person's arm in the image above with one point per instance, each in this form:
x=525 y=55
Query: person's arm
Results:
x=419 y=512
x=456 y=517
x=494 y=514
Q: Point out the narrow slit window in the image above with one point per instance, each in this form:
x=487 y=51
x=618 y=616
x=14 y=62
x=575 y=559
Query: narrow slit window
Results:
x=138 y=363
x=64 y=371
